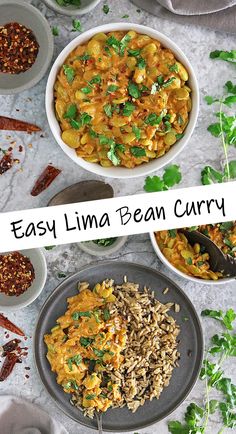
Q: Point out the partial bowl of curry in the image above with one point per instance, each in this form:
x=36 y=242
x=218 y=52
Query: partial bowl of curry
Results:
x=122 y=100
x=192 y=261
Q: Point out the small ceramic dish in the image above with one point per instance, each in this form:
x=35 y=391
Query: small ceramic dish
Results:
x=37 y=258
x=171 y=267
x=29 y=16
x=98 y=250
x=72 y=10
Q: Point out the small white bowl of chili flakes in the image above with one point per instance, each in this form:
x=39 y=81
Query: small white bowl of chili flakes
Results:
x=22 y=278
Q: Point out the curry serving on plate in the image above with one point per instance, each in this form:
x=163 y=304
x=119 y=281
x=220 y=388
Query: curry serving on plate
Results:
x=194 y=260
x=114 y=346
x=122 y=99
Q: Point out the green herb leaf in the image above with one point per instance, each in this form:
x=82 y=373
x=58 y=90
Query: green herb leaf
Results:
x=172 y=175
x=75 y=359
x=137 y=132
x=211 y=176
x=134 y=90
x=226 y=319
x=228 y=56
x=172 y=233
x=210 y=100
x=86 y=342
x=108 y=110
x=153 y=119
x=79 y=314
x=123 y=44
x=55 y=31
x=230 y=87
x=128 y=109
x=61 y=275
x=106 y=9
x=86 y=90
x=154 y=183
x=141 y=63
x=49 y=247
x=174 y=68
x=134 y=53
x=84 y=57
x=76 y=26
x=69 y=73
x=136 y=151
x=90 y=396
x=71 y=112
x=106 y=314
x=112 y=88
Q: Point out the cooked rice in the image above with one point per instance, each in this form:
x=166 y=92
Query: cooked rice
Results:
x=151 y=349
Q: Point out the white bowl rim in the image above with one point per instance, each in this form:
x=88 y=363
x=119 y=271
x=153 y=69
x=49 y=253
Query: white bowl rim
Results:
x=116 y=172
x=50 y=49
x=36 y=294
x=69 y=11
x=109 y=250
x=180 y=273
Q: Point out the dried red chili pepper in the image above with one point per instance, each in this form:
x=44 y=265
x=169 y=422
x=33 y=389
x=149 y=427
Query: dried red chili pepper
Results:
x=16 y=125
x=6 y=324
x=6 y=163
x=8 y=347
x=45 y=179
x=8 y=365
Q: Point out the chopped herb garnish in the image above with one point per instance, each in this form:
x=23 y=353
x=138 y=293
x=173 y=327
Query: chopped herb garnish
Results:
x=69 y=73
x=75 y=359
x=141 y=63
x=136 y=151
x=172 y=233
x=134 y=53
x=84 y=57
x=137 y=132
x=76 y=315
x=71 y=112
x=179 y=136
x=105 y=242
x=189 y=261
x=128 y=109
x=76 y=26
x=61 y=275
x=85 y=342
x=86 y=90
x=123 y=44
x=106 y=314
x=134 y=90
x=90 y=396
x=106 y=9
x=174 y=68
x=125 y=16
x=112 y=88
x=153 y=119
x=55 y=31
x=108 y=110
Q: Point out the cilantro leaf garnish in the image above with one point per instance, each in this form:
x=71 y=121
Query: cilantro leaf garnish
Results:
x=112 y=88
x=108 y=110
x=71 y=112
x=134 y=90
x=84 y=57
x=128 y=109
x=76 y=26
x=75 y=359
x=86 y=342
x=171 y=176
x=226 y=319
x=153 y=119
x=137 y=151
x=79 y=314
x=123 y=44
x=137 y=132
x=69 y=73
x=141 y=63
x=228 y=56
x=134 y=53
x=112 y=155
x=55 y=31
x=174 y=68
x=106 y=9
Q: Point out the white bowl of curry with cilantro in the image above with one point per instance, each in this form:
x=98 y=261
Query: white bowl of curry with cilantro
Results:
x=192 y=261
x=122 y=100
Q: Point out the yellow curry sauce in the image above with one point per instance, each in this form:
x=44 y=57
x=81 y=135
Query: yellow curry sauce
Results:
x=193 y=260
x=86 y=337
x=122 y=99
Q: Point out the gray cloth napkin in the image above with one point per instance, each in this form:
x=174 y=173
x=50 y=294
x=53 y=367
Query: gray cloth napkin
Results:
x=215 y=14
x=18 y=416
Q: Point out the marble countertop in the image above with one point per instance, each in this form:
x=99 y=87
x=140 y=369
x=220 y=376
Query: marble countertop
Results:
x=39 y=150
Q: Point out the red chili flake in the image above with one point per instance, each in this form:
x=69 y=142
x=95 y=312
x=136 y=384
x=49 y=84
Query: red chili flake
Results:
x=45 y=179
x=16 y=273
x=27 y=376
x=6 y=163
x=18 y=48
x=27 y=368
x=20 y=148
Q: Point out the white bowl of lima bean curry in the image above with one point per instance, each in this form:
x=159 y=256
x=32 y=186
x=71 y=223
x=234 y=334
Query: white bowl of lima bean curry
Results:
x=122 y=100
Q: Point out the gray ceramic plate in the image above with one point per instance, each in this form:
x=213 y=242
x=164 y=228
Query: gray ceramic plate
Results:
x=191 y=340
x=26 y=14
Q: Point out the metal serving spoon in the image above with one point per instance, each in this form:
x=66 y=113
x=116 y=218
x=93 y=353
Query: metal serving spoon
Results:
x=99 y=422
x=82 y=192
x=218 y=261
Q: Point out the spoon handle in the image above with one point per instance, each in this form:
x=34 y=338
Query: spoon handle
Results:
x=99 y=422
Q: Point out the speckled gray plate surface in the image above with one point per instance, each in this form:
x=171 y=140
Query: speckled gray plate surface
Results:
x=191 y=342
x=26 y=14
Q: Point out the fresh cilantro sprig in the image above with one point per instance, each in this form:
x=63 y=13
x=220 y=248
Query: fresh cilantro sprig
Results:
x=222 y=346
x=171 y=177
x=225 y=129
x=228 y=56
